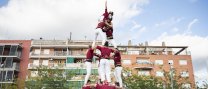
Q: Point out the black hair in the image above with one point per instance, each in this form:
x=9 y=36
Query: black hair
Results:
x=106 y=44
x=88 y=81
x=90 y=46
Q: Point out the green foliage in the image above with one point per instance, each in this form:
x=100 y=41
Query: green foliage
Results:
x=152 y=82
x=49 y=79
x=178 y=80
x=142 y=82
x=9 y=86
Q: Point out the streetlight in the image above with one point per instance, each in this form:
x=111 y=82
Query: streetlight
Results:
x=171 y=75
x=40 y=49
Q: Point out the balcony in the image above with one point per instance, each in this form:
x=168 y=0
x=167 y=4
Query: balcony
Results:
x=58 y=54
x=62 y=54
x=15 y=66
x=50 y=65
x=60 y=65
x=7 y=76
x=14 y=55
x=144 y=65
x=49 y=42
x=78 y=65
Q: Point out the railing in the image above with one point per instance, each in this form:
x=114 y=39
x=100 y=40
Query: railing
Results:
x=15 y=66
x=17 y=54
x=55 y=53
x=63 y=42
x=60 y=65
x=144 y=65
x=49 y=42
x=79 y=65
x=59 y=53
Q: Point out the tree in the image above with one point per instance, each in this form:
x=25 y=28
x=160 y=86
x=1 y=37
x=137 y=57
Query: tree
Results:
x=177 y=80
x=49 y=79
x=142 y=82
x=134 y=81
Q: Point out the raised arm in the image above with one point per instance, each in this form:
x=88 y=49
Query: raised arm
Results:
x=94 y=45
x=106 y=9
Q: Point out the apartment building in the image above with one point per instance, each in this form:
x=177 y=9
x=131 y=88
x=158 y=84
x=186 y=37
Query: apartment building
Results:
x=14 y=55
x=156 y=60
x=65 y=55
x=140 y=59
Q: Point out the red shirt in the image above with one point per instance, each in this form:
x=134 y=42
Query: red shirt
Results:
x=100 y=86
x=89 y=54
x=117 y=58
x=106 y=14
x=109 y=32
x=105 y=51
x=86 y=87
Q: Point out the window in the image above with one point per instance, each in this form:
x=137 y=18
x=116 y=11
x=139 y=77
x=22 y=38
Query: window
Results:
x=46 y=51
x=170 y=62
x=126 y=61
x=186 y=86
x=59 y=61
x=1 y=49
x=34 y=73
x=144 y=72
x=45 y=62
x=13 y=50
x=133 y=52
x=184 y=74
x=9 y=76
x=159 y=62
x=143 y=61
x=37 y=51
x=36 y=62
x=159 y=73
x=183 y=62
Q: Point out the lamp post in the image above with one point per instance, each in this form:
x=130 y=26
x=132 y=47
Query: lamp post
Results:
x=40 y=49
x=171 y=75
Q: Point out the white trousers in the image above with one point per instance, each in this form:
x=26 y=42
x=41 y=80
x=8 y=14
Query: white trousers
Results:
x=105 y=70
x=117 y=74
x=98 y=64
x=88 y=68
x=103 y=35
x=112 y=41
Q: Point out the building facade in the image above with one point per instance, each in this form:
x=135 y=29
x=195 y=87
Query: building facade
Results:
x=14 y=55
x=158 y=60
x=65 y=55
x=140 y=59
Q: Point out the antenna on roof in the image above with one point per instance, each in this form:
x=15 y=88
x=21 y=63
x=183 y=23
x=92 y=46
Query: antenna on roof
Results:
x=70 y=36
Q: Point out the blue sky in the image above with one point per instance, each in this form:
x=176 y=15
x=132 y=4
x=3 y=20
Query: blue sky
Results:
x=3 y=2
x=177 y=22
x=164 y=10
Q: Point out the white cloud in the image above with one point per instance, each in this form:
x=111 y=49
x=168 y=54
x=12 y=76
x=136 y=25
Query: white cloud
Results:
x=175 y=29
x=169 y=22
x=56 y=18
x=133 y=33
x=188 y=31
x=135 y=26
x=197 y=46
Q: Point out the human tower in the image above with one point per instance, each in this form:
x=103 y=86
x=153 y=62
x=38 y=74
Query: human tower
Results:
x=105 y=30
